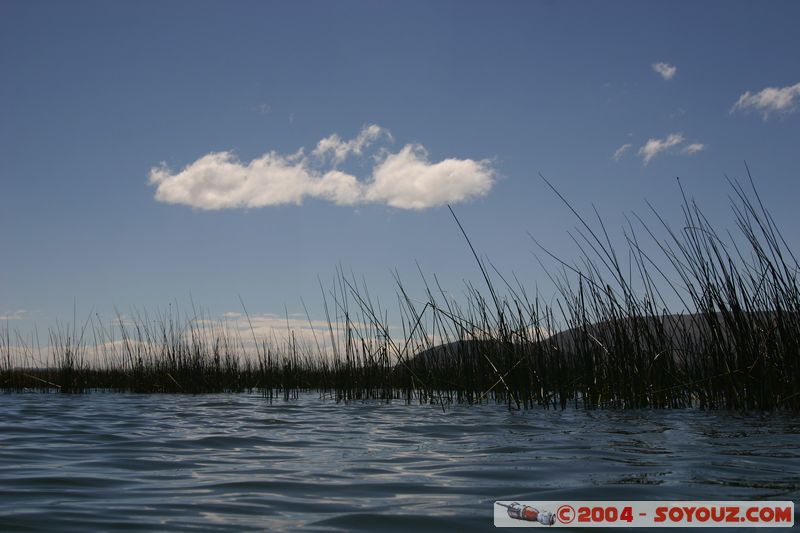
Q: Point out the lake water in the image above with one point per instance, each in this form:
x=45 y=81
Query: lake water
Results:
x=239 y=462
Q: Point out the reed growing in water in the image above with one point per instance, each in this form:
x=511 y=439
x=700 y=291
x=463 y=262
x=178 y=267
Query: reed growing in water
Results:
x=734 y=345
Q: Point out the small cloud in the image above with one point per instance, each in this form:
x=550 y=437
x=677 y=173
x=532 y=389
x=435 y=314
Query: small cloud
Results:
x=406 y=179
x=693 y=148
x=779 y=100
x=620 y=152
x=339 y=150
x=666 y=70
x=20 y=314
x=653 y=147
x=264 y=109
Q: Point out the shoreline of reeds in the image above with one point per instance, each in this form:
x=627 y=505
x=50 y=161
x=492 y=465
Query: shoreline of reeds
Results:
x=609 y=340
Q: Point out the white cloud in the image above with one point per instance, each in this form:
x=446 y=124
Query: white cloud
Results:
x=780 y=100
x=653 y=147
x=246 y=335
x=219 y=181
x=620 y=152
x=338 y=187
x=693 y=148
x=406 y=179
x=277 y=330
x=409 y=181
x=666 y=70
x=340 y=149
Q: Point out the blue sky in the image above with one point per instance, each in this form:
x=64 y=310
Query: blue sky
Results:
x=109 y=111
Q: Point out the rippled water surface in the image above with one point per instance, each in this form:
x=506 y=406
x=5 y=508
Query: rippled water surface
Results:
x=239 y=462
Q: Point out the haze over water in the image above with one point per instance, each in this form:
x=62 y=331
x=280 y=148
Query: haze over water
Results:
x=238 y=462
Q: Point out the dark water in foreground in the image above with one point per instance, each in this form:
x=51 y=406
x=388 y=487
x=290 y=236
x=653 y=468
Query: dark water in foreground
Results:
x=109 y=461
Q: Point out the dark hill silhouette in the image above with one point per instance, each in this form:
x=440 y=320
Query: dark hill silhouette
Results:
x=682 y=335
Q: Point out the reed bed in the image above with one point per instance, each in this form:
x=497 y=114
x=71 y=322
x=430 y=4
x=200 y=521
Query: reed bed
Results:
x=610 y=339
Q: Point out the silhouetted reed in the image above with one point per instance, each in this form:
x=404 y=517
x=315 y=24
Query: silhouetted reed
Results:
x=609 y=340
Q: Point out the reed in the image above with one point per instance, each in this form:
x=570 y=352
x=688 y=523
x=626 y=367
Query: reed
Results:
x=608 y=340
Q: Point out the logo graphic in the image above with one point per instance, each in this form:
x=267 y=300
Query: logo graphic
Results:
x=529 y=514
x=640 y=513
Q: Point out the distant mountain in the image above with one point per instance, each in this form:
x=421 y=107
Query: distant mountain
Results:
x=682 y=334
